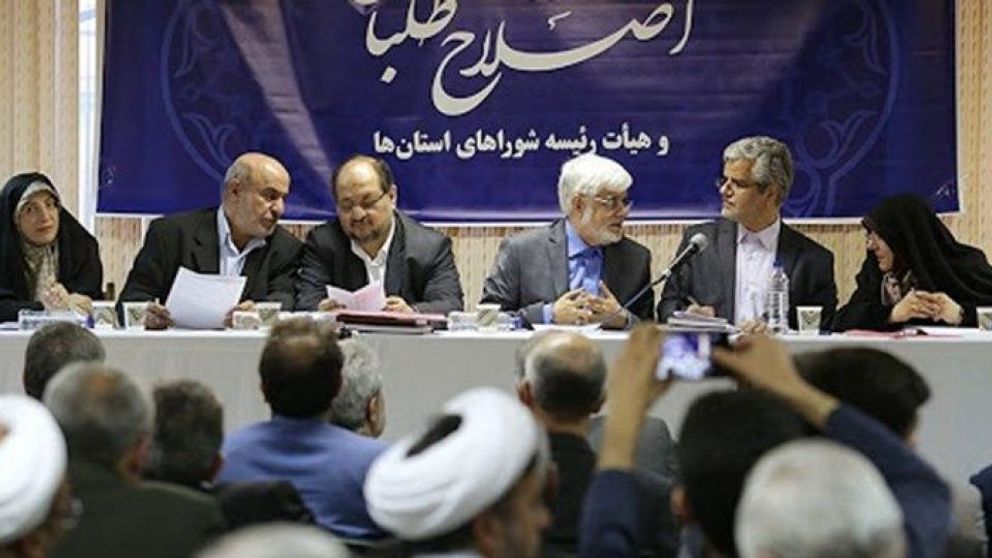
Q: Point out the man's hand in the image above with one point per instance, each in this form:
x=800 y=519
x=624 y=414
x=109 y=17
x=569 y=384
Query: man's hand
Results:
x=632 y=388
x=915 y=305
x=80 y=303
x=397 y=304
x=698 y=310
x=766 y=364
x=944 y=309
x=157 y=317
x=242 y=307
x=329 y=305
x=753 y=327
x=606 y=309
x=572 y=308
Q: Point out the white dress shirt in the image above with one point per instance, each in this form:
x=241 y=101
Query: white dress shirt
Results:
x=231 y=260
x=755 y=261
x=375 y=268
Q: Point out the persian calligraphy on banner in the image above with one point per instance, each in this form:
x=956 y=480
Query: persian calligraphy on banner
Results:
x=477 y=104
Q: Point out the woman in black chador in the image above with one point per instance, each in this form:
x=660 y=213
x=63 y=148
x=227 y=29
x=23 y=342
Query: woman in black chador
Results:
x=915 y=272
x=47 y=259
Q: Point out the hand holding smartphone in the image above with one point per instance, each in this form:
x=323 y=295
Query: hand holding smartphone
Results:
x=686 y=355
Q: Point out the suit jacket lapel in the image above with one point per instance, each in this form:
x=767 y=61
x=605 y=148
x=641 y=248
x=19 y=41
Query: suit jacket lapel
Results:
x=727 y=245
x=396 y=261
x=558 y=258
x=253 y=271
x=206 y=250
x=787 y=253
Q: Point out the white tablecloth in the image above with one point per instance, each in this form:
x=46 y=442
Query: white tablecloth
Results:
x=421 y=372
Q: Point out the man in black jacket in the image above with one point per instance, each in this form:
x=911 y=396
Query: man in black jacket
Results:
x=241 y=237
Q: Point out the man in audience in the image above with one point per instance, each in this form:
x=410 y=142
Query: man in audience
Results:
x=54 y=346
x=107 y=424
x=563 y=385
x=472 y=482
x=809 y=499
x=300 y=370
x=359 y=406
x=241 y=237
x=34 y=497
x=610 y=518
x=185 y=450
x=580 y=269
x=372 y=242
x=730 y=278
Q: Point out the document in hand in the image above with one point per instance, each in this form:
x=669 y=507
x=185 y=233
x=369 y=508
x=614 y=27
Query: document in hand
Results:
x=199 y=301
x=370 y=298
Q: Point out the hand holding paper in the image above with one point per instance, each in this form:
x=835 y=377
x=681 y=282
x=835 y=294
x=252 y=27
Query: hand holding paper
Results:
x=199 y=301
x=370 y=298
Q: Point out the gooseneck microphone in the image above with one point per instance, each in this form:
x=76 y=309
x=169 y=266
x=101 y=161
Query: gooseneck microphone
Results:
x=697 y=244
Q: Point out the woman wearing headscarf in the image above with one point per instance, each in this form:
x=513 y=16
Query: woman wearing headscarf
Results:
x=915 y=272
x=49 y=261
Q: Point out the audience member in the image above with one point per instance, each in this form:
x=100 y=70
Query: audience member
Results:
x=300 y=370
x=372 y=241
x=811 y=499
x=54 y=346
x=34 y=497
x=242 y=237
x=472 y=482
x=276 y=541
x=359 y=406
x=562 y=386
x=107 y=423
x=185 y=450
x=581 y=268
x=730 y=278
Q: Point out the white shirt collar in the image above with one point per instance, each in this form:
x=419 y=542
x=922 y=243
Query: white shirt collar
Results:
x=768 y=236
x=380 y=257
x=229 y=252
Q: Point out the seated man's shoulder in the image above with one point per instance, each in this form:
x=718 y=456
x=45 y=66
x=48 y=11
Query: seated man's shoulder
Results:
x=807 y=244
x=164 y=495
x=418 y=235
x=285 y=240
x=369 y=447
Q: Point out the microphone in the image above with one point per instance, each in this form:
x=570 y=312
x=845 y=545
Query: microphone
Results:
x=697 y=244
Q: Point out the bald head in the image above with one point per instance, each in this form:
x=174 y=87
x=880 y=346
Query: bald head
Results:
x=255 y=190
x=566 y=373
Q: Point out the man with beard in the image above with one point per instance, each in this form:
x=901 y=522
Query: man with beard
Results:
x=372 y=242
x=241 y=237
x=580 y=269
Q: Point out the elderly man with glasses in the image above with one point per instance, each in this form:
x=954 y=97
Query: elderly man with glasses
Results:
x=372 y=242
x=580 y=269
x=731 y=278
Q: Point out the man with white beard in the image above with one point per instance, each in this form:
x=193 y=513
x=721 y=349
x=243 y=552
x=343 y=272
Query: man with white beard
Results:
x=580 y=269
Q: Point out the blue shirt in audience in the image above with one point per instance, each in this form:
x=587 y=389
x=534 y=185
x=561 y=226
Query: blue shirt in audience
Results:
x=327 y=465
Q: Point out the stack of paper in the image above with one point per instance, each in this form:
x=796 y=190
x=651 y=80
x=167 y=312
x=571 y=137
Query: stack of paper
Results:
x=686 y=320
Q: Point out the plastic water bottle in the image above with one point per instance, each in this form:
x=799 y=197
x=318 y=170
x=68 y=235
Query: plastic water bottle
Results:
x=777 y=300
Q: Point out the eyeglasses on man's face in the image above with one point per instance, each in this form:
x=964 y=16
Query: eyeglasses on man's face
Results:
x=613 y=203
x=366 y=204
x=722 y=181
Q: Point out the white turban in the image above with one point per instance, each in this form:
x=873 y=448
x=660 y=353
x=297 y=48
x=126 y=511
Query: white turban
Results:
x=450 y=482
x=32 y=465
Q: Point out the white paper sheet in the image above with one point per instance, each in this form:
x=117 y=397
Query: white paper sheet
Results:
x=370 y=298
x=200 y=301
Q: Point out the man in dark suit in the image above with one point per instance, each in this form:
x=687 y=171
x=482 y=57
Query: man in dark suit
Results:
x=241 y=237
x=107 y=424
x=370 y=242
x=580 y=269
x=730 y=278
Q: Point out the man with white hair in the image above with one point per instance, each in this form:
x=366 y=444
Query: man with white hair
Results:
x=815 y=498
x=730 y=279
x=359 y=406
x=580 y=269
x=472 y=483
x=34 y=496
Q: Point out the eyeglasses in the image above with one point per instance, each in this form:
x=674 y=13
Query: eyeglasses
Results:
x=721 y=181
x=347 y=206
x=613 y=203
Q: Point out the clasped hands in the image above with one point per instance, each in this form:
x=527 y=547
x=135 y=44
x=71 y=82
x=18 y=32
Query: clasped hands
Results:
x=927 y=306
x=578 y=307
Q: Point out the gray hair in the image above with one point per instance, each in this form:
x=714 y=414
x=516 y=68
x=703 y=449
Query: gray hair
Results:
x=566 y=372
x=239 y=171
x=189 y=430
x=817 y=499
x=361 y=381
x=54 y=346
x=772 y=161
x=101 y=411
x=586 y=175
x=276 y=540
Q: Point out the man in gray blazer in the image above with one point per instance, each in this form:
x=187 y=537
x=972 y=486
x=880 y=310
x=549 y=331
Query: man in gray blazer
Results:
x=371 y=241
x=730 y=278
x=580 y=269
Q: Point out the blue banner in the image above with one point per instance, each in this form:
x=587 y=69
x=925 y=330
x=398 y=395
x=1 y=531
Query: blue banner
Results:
x=476 y=104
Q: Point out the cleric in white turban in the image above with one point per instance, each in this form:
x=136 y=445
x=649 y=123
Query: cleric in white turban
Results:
x=472 y=483
x=32 y=476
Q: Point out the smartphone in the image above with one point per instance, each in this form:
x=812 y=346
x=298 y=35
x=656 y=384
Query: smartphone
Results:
x=686 y=355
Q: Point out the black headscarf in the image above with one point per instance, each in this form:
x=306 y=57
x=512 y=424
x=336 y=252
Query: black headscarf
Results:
x=922 y=244
x=79 y=268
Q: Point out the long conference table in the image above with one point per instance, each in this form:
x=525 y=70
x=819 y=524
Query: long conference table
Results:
x=421 y=372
